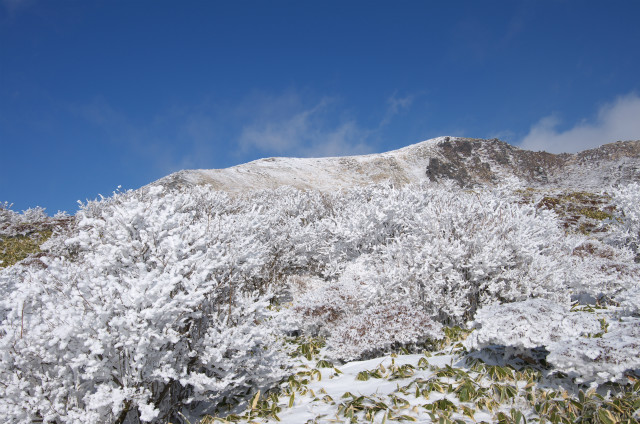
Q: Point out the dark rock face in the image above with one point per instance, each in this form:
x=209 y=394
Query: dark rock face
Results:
x=460 y=163
x=437 y=170
x=471 y=162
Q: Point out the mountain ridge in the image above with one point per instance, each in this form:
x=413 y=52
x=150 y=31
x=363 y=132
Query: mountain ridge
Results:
x=466 y=161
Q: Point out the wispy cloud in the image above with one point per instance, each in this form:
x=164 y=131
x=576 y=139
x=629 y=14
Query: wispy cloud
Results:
x=396 y=105
x=287 y=125
x=209 y=135
x=618 y=120
x=283 y=125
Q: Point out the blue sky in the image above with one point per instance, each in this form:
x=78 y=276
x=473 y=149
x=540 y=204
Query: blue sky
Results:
x=96 y=94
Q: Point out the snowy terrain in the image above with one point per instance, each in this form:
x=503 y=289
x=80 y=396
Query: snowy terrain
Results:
x=402 y=166
x=263 y=293
x=470 y=162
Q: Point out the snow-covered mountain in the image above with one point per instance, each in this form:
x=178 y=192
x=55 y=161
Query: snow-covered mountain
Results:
x=467 y=161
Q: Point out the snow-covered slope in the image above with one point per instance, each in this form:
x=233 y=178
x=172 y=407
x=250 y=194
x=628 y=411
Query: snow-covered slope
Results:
x=399 y=166
x=468 y=162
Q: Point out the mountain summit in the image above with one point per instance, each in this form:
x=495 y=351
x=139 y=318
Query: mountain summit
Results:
x=467 y=161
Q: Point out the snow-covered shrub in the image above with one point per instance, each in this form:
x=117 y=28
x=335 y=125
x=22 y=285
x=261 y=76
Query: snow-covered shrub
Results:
x=325 y=304
x=444 y=255
x=630 y=300
x=454 y=253
x=600 y=359
x=21 y=234
x=14 y=224
x=627 y=199
x=603 y=272
x=380 y=327
x=529 y=324
x=153 y=306
x=588 y=346
x=355 y=320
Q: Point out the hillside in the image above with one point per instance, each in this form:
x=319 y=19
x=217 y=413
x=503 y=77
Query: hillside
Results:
x=468 y=162
x=455 y=280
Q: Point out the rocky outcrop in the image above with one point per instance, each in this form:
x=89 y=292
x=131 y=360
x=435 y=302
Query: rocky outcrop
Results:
x=471 y=162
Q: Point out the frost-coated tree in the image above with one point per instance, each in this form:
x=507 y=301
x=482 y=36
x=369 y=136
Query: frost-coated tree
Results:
x=161 y=300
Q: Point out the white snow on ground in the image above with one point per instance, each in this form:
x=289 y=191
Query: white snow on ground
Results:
x=406 y=165
x=323 y=395
x=305 y=408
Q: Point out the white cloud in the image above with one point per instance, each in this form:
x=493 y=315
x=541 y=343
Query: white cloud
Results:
x=395 y=106
x=283 y=126
x=619 y=120
x=288 y=124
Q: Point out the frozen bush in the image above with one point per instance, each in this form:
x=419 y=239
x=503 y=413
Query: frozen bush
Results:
x=528 y=324
x=630 y=300
x=29 y=222
x=356 y=319
x=589 y=347
x=600 y=359
x=627 y=200
x=453 y=254
x=153 y=306
x=377 y=328
x=325 y=305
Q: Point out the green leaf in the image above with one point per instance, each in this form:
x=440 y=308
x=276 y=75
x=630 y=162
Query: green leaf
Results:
x=517 y=416
x=606 y=417
x=468 y=411
x=292 y=399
